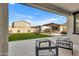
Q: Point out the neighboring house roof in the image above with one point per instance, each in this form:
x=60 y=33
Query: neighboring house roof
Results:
x=49 y=24
x=35 y=26
x=22 y=21
x=65 y=24
x=52 y=24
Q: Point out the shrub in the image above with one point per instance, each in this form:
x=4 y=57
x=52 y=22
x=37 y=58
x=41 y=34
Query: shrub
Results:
x=63 y=32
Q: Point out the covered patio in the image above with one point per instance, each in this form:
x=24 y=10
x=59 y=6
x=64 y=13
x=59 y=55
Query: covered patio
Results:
x=21 y=47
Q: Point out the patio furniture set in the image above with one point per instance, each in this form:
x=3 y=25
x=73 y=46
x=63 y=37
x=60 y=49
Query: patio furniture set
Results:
x=53 y=48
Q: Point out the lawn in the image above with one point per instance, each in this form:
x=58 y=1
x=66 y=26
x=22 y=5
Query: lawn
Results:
x=25 y=36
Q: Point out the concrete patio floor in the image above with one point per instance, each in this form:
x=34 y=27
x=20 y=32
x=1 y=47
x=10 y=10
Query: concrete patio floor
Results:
x=27 y=48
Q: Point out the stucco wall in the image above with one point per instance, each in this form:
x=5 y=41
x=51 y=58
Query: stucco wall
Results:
x=74 y=37
x=20 y=27
x=21 y=24
x=21 y=30
x=64 y=28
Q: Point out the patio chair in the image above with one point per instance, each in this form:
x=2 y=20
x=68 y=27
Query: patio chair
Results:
x=65 y=42
x=51 y=47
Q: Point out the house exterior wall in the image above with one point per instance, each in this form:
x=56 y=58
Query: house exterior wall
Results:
x=44 y=27
x=70 y=25
x=20 y=27
x=21 y=30
x=74 y=37
x=61 y=29
x=52 y=31
x=64 y=28
x=21 y=24
x=24 y=27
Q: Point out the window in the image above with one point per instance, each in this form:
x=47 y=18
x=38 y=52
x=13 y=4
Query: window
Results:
x=18 y=31
x=13 y=25
x=10 y=31
x=76 y=23
x=28 y=30
x=56 y=28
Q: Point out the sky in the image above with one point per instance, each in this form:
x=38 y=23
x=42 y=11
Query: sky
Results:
x=32 y=15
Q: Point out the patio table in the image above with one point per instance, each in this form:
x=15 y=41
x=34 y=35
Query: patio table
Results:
x=51 y=46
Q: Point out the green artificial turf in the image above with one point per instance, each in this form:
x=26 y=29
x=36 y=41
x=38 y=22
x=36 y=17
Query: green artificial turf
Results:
x=25 y=36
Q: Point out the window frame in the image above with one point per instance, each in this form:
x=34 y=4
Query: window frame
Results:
x=74 y=22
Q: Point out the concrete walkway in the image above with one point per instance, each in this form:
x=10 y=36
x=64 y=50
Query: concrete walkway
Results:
x=27 y=48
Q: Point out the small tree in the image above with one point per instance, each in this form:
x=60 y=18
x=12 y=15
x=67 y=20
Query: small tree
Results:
x=38 y=30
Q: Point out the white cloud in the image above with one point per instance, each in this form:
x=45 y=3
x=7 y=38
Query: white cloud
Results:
x=29 y=21
x=11 y=3
x=29 y=18
x=49 y=20
x=53 y=20
x=37 y=13
x=22 y=16
x=17 y=17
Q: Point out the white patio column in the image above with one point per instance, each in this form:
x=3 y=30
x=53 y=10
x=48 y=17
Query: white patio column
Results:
x=61 y=29
x=70 y=24
x=3 y=29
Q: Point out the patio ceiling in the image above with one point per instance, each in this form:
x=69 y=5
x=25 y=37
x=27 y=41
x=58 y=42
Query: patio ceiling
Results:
x=71 y=7
x=60 y=8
